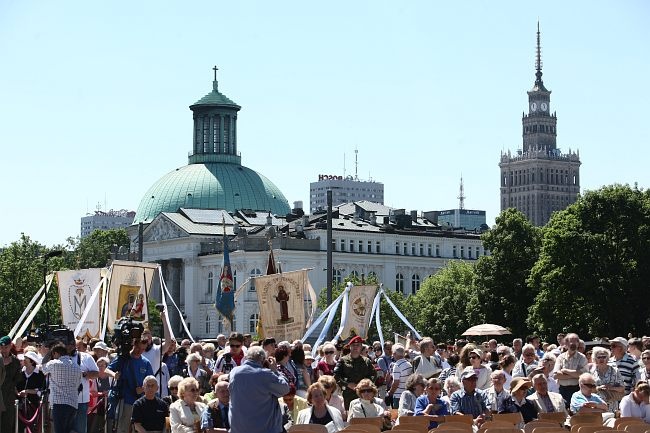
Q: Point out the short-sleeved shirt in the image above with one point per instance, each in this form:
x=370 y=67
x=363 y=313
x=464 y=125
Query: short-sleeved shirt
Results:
x=629 y=370
x=132 y=373
x=64 y=380
x=578 y=399
x=401 y=370
x=576 y=362
x=150 y=413
x=469 y=404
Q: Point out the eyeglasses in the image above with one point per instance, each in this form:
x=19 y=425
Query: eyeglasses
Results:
x=601 y=357
x=329 y=352
x=365 y=391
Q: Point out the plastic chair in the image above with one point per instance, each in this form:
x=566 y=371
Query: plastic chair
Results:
x=586 y=419
x=465 y=419
x=455 y=425
x=558 y=417
x=556 y=429
x=413 y=422
x=307 y=428
x=620 y=423
x=590 y=428
x=637 y=427
x=375 y=420
x=366 y=428
x=512 y=418
x=503 y=430
x=528 y=428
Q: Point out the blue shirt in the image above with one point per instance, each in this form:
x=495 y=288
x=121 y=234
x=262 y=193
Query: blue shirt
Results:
x=254 y=393
x=578 y=399
x=421 y=404
x=469 y=404
x=132 y=373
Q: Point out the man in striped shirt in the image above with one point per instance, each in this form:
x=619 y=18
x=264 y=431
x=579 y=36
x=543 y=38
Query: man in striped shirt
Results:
x=400 y=371
x=626 y=364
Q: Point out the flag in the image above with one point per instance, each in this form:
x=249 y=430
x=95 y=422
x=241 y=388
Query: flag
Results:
x=75 y=290
x=225 y=301
x=359 y=306
x=128 y=291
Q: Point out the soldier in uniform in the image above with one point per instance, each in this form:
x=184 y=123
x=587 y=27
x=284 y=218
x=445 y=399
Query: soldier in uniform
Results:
x=351 y=368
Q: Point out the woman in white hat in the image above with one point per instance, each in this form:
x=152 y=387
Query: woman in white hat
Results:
x=30 y=385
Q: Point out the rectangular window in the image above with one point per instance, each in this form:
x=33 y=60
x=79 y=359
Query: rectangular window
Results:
x=226 y=134
x=437 y=250
x=351 y=246
x=462 y=252
x=429 y=250
x=413 y=249
x=421 y=249
x=455 y=254
x=378 y=247
x=406 y=249
x=360 y=246
x=342 y=244
x=206 y=135
x=370 y=246
x=396 y=247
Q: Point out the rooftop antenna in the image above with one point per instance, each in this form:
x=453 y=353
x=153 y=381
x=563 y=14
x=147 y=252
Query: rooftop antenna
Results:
x=356 y=163
x=461 y=196
x=538 y=58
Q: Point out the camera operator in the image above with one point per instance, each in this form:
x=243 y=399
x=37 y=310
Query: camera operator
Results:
x=64 y=381
x=12 y=374
x=89 y=371
x=234 y=355
x=130 y=372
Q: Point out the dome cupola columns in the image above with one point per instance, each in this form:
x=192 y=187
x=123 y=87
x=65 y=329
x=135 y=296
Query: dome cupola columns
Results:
x=215 y=128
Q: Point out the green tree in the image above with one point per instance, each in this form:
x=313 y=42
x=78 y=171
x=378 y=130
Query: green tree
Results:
x=593 y=273
x=21 y=275
x=94 y=251
x=445 y=305
x=501 y=277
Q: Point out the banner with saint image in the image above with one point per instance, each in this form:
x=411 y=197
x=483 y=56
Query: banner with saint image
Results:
x=281 y=298
x=358 y=312
x=75 y=290
x=128 y=291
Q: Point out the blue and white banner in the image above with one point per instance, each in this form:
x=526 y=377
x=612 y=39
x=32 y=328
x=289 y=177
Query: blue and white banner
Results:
x=75 y=295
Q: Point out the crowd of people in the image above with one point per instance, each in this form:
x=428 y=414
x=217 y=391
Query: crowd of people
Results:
x=240 y=385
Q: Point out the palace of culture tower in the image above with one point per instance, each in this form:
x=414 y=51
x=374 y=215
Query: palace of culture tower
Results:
x=539 y=179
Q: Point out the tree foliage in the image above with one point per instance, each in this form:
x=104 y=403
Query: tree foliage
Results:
x=445 y=305
x=501 y=277
x=593 y=273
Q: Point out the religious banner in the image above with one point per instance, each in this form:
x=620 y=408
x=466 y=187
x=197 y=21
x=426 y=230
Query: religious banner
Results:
x=358 y=311
x=281 y=298
x=75 y=290
x=128 y=291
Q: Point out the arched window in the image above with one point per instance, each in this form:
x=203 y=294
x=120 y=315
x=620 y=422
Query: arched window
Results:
x=254 y=273
x=415 y=283
x=252 y=323
x=210 y=282
x=399 y=283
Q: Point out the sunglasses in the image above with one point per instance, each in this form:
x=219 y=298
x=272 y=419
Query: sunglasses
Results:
x=330 y=352
x=235 y=345
x=474 y=357
x=365 y=391
x=590 y=385
x=601 y=357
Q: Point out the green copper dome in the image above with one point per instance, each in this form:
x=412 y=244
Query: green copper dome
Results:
x=214 y=178
x=211 y=186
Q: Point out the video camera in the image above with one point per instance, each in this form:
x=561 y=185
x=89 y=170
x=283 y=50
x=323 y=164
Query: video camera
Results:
x=124 y=332
x=48 y=335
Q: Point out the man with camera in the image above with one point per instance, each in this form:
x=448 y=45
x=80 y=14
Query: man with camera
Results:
x=130 y=372
x=233 y=358
x=64 y=381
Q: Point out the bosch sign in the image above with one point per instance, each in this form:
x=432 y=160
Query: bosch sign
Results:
x=329 y=177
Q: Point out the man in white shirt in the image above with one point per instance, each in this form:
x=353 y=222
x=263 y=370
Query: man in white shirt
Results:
x=400 y=371
x=153 y=351
x=89 y=371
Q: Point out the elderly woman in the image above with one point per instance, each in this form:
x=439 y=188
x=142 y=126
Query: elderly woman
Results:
x=609 y=382
x=365 y=406
x=185 y=413
x=172 y=385
x=584 y=400
x=415 y=385
x=331 y=395
x=326 y=365
x=430 y=404
x=29 y=386
x=451 y=385
x=320 y=412
x=517 y=402
x=195 y=370
x=644 y=371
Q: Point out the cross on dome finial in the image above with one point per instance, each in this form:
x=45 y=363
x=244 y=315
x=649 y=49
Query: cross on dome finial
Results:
x=215 y=84
x=215 y=69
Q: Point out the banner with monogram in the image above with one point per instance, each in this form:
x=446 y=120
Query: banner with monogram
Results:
x=128 y=291
x=357 y=317
x=281 y=298
x=75 y=290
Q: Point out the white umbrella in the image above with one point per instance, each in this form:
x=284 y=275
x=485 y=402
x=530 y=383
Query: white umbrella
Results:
x=487 y=329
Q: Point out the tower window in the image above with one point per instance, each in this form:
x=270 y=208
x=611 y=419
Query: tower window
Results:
x=226 y=134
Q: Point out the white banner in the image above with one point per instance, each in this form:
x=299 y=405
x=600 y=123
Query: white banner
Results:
x=75 y=290
x=128 y=291
x=358 y=311
x=281 y=301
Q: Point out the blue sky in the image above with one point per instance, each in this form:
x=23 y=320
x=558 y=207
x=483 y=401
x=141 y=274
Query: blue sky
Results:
x=95 y=96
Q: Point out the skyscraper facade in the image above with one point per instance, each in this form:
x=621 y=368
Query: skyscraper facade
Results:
x=539 y=178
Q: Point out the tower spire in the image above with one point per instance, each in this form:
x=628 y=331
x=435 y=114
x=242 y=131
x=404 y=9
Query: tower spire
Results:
x=538 y=60
x=461 y=196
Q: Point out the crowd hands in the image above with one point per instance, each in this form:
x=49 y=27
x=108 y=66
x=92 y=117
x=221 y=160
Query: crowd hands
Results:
x=239 y=385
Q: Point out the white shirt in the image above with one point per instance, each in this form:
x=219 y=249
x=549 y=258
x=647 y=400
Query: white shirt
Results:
x=153 y=356
x=86 y=363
